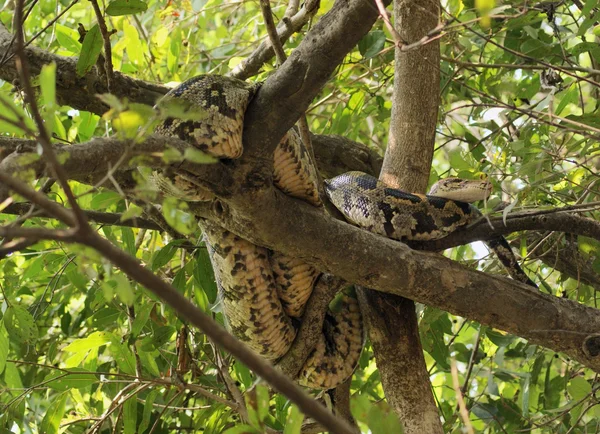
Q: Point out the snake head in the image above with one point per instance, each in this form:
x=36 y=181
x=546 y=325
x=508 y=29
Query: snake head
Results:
x=464 y=190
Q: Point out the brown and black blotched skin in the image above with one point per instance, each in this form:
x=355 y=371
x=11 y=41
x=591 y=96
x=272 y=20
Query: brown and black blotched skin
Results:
x=370 y=204
x=260 y=290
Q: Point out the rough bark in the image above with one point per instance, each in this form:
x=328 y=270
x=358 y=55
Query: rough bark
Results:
x=392 y=321
x=72 y=90
x=373 y=261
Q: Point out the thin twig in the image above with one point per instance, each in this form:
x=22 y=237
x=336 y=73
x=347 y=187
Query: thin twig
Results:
x=464 y=413
x=471 y=362
x=386 y=19
x=108 y=66
x=265 y=6
x=133 y=269
x=43 y=137
x=524 y=66
x=107 y=218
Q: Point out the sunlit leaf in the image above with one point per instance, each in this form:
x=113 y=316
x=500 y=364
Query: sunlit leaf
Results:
x=54 y=415
x=125 y=7
x=3 y=346
x=76 y=378
x=177 y=217
x=20 y=325
x=90 y=50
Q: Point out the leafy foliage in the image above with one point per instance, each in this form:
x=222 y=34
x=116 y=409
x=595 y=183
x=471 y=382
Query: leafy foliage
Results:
x=82 y=346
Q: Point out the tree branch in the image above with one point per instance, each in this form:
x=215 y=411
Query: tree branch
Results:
x=72 y=90
x=108 y=218
x=288 y=92
x=373 y=261
x=288 y=26
x=89 y=162
x=485 y=228
x=392 y=320
x=132 y=267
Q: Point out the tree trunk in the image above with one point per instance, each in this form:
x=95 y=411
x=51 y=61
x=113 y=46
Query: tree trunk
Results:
x=391 y=320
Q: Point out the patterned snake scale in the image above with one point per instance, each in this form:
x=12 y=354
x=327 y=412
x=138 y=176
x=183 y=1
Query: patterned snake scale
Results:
x=260 y=290
x=393 y=213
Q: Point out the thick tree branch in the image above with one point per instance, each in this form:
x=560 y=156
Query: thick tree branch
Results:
x=74 y=91
x=486 y=228
x=392 y=320
x=288 y=92
x=132 y=267
x=389 y=266
x=89 y=162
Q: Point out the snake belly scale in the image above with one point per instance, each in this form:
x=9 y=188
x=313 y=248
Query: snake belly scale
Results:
x=263 y=293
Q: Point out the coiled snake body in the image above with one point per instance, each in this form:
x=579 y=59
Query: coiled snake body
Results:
x=262 y=290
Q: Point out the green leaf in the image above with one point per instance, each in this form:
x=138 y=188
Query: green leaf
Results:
x=3 y=346
x=204 y=275
x=125 y=7
x=242 y=429
x=123 y=289
x=163 y=256
x=293 y=422
x=161 y=336
x=20 y=325
x=179 y=281
x=132 y=212
x=148 y=408
x=47 y=80
x=587 y=8
x=371 y=44
x=148 y=359
x=141 y=318
x=48 y=83
x=76 y=378
x=579 y=388
x=571 y=97
x=176 y=216
x=128 y=240
x=525 y=386
x=257 y=404
x=134 y=46
x=123 y=356
x=588 y=246
x=585 y=47
x=68 y=38
x=105 y=199
x=131 y=120
x=498 y=338
x=54 y=415
x=130 y=416
x=94 y=340
x=90 y=50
